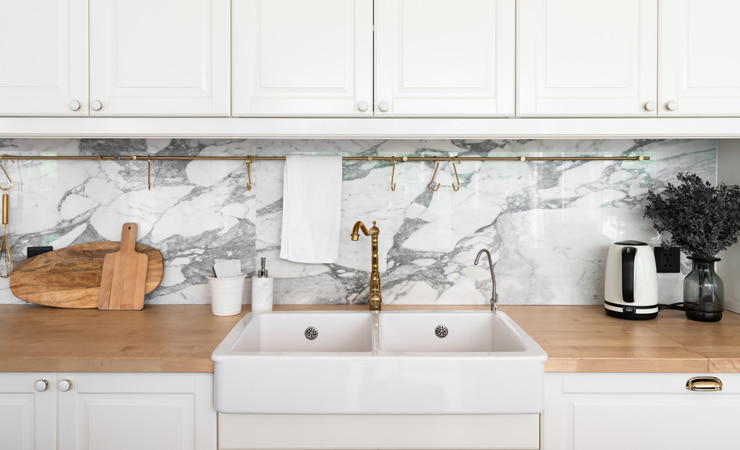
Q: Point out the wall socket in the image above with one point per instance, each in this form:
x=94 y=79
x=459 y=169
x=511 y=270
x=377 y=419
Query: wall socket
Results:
x=667 y=260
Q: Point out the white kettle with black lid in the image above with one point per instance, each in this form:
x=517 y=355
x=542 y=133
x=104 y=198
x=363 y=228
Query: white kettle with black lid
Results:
x=631 y=282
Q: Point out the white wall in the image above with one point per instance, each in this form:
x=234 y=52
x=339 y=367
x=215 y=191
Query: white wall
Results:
x=728 y=171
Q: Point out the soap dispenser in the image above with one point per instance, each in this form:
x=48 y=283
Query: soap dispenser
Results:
x=261 y=290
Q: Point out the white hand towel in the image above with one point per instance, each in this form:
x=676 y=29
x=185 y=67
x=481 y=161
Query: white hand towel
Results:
x=312 y=203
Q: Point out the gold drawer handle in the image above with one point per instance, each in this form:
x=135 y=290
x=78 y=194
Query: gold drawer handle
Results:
x=704 y=384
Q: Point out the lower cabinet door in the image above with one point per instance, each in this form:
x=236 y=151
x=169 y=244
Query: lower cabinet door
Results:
x=136 y=411
x=639 y=412
x=27 y=411
x=381 y=431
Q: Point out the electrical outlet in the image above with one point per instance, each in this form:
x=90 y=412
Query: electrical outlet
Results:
x=667 y=260
x=33 y=251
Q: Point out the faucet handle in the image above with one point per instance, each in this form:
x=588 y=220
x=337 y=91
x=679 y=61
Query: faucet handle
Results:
x=494 y=302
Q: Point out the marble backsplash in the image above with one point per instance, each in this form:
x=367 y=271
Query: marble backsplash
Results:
x=548 y=225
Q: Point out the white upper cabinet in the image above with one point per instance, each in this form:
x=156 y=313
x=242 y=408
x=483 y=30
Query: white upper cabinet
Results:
x=444 y=58
x=587 y=58
x=294 y=58
x=699 y=63
x=43 y=57
x=302 y=58
x=159 y=57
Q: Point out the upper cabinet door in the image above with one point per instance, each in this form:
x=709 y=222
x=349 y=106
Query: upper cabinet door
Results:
x=587 y=58
x=699 y=63
x=296 y=58
x=43 y=57
x=159 y=57
x=444 y=57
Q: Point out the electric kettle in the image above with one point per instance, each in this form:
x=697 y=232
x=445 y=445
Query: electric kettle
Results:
x=631 y=282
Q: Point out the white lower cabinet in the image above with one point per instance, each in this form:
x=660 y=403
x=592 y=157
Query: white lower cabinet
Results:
x=27 y=411
x=80 y=411
x=639 y=412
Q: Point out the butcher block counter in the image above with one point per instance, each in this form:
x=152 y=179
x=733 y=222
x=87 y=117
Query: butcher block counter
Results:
x=180 y=338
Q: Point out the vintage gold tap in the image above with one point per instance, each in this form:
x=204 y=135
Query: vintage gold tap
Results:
x=375 y=298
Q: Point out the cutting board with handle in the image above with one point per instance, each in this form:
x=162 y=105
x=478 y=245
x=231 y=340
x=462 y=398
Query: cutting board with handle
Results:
x=122 y=283
x=70 y=277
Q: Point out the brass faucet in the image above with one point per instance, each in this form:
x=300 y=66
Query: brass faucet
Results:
x=375 y=298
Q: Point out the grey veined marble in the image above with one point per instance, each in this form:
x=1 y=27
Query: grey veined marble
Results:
x=547 y=224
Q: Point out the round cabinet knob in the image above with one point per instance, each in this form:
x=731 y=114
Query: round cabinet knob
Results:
x=40 y=385
x=74 y=105
x=362 y=106
x=649 y=106
x=671 y=106
x=96 y=105
x=64 y=385
x=384 y=106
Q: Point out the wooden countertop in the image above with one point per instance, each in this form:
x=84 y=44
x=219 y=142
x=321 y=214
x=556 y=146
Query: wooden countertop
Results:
x=585 y=339
x=159 y=338
x=180 y=338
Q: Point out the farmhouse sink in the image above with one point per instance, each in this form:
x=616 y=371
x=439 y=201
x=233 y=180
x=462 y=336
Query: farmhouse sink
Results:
x=392 y=362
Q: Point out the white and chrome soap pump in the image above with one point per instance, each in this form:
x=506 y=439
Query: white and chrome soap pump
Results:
x=261 y=290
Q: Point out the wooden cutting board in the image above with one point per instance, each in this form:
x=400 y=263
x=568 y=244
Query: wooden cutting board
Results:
x=124 y=274
x=70 y=277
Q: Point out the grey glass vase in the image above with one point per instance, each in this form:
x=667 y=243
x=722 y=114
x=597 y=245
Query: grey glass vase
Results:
x=703 y=291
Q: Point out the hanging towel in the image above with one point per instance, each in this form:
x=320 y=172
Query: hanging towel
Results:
x=312 y=202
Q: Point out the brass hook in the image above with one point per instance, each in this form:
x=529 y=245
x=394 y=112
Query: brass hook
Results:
x=249 y=161
x=393 y=174
x=456 y=188
x=431 y=183
x=10 y=181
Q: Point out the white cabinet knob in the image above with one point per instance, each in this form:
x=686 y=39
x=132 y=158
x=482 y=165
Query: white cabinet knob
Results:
x=649 y=106
x=384 y=106
x=40 y=385
x=64 y=385
x=96 y=105
x=671 y=106
x=362 y=106
x=74 y=105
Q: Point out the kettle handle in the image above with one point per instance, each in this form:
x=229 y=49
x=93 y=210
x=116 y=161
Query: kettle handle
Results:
x=628 y=274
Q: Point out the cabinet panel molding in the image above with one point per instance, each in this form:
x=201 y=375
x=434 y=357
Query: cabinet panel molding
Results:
x=638 y=411
x=699 y=71
x=443 y=58
x=160 y=57
x=585 y=58
x=44 y=58
x=295 y=58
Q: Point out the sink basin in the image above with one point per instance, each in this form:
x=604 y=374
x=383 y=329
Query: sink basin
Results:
x=467 y=333
x=302 y=332
x=392 y=362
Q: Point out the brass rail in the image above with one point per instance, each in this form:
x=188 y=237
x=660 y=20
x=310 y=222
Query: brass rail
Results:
x=344 y=158
x=249 y=159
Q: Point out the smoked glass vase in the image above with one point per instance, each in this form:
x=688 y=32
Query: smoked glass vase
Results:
x=703 y=291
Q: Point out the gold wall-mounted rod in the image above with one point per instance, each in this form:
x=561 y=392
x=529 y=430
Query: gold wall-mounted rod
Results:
x=345 y=158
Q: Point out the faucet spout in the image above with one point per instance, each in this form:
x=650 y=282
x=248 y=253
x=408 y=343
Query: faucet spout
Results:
x=494 y=294
x=375 y=299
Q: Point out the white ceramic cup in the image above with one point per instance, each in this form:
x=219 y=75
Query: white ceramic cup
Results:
x=226 y=295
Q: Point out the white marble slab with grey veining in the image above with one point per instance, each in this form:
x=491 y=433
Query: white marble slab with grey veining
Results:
x=547 y=224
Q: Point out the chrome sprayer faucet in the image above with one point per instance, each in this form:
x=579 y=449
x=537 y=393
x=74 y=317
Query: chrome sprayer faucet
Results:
x=375 y=299
x=494 y=294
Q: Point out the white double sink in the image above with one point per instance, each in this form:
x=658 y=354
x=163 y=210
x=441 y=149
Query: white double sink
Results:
x=392 y=362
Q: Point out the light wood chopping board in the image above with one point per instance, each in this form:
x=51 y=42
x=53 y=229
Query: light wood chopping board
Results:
x=124 y=274
x=70 y=277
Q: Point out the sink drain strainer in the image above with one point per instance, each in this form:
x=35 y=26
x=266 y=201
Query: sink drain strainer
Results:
x=311 y=333
x=441 y=331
